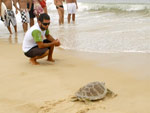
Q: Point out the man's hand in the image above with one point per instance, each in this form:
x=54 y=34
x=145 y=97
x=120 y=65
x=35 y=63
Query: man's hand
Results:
x=57 y=42
x=76 y=6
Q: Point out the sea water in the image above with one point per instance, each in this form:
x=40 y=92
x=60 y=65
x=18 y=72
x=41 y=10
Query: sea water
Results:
x=102 y=26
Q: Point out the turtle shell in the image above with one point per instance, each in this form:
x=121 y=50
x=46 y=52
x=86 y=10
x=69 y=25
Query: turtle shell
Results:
x=92 y=91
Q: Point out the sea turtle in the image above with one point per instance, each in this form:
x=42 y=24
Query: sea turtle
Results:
x=92 y=91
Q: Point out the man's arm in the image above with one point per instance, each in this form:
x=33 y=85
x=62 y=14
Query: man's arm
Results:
x=45 y=45
x=19 y=5
x=50 y=38
x=15 y=5
x=76 y=4
x=38 y=39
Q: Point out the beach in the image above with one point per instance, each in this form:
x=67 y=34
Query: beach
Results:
x=47 y=88
x=109 y=42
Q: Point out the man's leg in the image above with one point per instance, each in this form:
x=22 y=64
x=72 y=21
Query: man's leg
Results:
x=24 y=27
x=32 y=16
x=59 y=13
x=50 y=58
x=73 y=17
x=69 y=15
x=31 y=22
x=15 y=27
x=62 y=12
x=45 y=9
x=9 y=29
x=33 y=60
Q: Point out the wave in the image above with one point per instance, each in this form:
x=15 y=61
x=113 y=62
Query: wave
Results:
x=107 y=7
x=144 y=8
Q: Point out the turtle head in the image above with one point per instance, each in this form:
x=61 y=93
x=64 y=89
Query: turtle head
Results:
x=103 y=83
x=110 y=93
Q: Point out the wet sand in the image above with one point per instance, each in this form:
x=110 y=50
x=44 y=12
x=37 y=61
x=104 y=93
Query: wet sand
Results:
x=47 y=88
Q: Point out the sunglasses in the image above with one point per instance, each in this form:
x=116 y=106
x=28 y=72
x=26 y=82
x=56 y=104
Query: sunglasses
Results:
x=45 y=24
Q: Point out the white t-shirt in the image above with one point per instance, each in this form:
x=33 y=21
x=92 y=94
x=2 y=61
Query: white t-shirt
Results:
x=30 y=39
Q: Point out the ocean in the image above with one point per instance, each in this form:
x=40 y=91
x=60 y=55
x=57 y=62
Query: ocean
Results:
x=102 y=26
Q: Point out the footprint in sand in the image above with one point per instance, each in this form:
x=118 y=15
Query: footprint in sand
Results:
x=49 y=105
x=83 y=110
x=27 y=108
x=88 y=108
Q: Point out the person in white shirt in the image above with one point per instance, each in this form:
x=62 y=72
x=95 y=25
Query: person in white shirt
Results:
x=34 y=45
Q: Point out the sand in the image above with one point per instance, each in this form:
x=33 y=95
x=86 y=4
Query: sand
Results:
x=47 y=88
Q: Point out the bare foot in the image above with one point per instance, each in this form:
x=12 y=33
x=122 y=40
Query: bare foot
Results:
x=51 y=60
x=33 y=62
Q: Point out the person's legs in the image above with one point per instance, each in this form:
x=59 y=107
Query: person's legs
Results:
x=50 y=58
x=45 y=9
x=62 y=15
x=15 y=28
x=69 y=16
x=49 y=52
x=73 y=11
x=59 y=13
x=38 y=53
x=25 y=26
x=9 y=29
x=33 y=59
x=73 y=17
x=13 y=21
x=31 y=22
x=62 y=12
x=69 y=10
x=25 y=20
x=32 y=15
x=7 y=21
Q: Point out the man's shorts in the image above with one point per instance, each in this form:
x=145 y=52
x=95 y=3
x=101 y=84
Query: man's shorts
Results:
x=10 y=17
x=32 y=15
x=71 y=8
x=35 y=51
x=25 y=16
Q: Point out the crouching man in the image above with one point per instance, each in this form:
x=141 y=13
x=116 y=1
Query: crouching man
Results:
x=37 y=42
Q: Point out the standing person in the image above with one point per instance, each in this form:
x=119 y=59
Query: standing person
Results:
x=9 y=15
x=32 y=15
x=60 y=9
x=34 y=45
x=71 y=8
x=24 y=13
x=43 y=5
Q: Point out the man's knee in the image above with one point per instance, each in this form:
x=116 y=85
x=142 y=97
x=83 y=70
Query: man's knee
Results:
x=47 y=52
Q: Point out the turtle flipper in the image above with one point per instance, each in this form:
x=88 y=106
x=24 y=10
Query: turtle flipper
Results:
x=73 y=99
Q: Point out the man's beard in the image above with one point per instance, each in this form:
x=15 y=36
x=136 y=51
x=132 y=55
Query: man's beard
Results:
x=43 y=28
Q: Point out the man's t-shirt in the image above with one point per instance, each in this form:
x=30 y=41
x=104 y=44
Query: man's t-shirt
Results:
x=32 y=36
